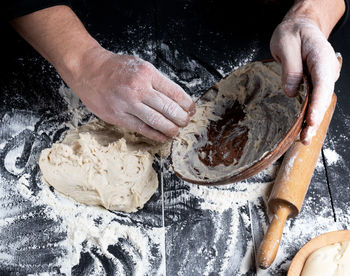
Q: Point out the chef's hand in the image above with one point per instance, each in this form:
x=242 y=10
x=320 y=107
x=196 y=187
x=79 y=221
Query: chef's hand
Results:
x=122 y=90
x=130 y=92
x=301 y=39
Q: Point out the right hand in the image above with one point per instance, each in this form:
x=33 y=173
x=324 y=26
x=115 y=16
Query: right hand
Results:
x=297 y=41
x=129 y=92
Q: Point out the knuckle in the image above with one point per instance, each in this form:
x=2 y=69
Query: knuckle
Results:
x=177 y=96
x=153 y=119
x=139 y=78
x=145 y=67
x=134 y=81
x=130 y=101
x=283 y=28
x=140 y=127
x=170 y=109
x=294 y=76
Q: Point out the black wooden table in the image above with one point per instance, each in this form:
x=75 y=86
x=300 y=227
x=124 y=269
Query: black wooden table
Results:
x=192 y=230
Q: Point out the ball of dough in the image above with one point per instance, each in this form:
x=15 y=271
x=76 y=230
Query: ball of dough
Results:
x=99 y=164
x=331 y=260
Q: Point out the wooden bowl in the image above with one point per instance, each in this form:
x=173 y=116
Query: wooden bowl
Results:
x=320 y=241
x=268 y=158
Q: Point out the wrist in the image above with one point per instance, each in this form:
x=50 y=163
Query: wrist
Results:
x=324 y=13
x=72 y=62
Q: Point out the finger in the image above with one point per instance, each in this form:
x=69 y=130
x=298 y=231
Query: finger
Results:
x=135 y=124
x=166 y=107
x=292 y=66
x=307 y=134
x=173 y=91
x=319 y=102
x=155 y=120
x=324 y=68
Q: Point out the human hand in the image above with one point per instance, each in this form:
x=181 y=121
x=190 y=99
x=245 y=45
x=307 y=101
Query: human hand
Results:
x=297 y=41
x=129 y=92
x=122 y=90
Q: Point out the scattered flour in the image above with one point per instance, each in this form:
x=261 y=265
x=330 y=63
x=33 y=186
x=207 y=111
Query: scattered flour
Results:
x=332 y=157
x=89 y=227
x=220 y=199
x=249 y=56
x=79 y=221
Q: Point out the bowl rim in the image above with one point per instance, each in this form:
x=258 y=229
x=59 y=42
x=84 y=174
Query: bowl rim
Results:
x=318 y=242
x=266 y=160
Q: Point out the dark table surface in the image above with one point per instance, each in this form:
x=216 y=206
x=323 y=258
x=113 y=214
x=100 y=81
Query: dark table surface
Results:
x=206 y=230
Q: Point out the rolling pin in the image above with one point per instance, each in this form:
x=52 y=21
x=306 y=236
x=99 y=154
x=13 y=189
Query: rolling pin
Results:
x=290 y=188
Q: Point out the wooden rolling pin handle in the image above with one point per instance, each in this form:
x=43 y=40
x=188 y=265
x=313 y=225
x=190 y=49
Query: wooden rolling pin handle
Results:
x=290 y=187
x=269 y=246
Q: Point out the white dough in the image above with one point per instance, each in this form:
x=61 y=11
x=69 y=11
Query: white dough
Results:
x=99 y=164
x=331 y=260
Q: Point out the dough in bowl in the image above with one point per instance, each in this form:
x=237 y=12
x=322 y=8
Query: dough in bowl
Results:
x=330 y=260
x=100 y=164
x=238 y=122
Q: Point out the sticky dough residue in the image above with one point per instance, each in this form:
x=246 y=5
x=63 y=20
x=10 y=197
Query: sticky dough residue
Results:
x=267 y=115
x=100 y=164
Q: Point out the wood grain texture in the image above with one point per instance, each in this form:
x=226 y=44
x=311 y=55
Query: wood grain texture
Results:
x=290 y=187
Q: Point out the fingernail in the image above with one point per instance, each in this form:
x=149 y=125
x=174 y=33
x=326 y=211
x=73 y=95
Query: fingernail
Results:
x=183 y=121
x=291 y=89
x=181 y=116
x=187 y=103
x=192 y=109
x=292 y=83
x=339 y=57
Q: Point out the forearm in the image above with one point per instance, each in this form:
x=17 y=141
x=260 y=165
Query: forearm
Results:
x=325 y=13
x=59 y=36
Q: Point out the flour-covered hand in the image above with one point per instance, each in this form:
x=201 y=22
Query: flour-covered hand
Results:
x=296 y=42
x=122 y=90
x=129 y=92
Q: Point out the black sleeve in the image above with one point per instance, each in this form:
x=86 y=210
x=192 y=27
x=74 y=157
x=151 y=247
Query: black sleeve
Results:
x=342 y=20
x=15 y=8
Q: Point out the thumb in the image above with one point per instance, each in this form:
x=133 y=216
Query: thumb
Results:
x=292 y=69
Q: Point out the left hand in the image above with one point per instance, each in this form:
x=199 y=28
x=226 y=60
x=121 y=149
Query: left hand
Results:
x=297 y=41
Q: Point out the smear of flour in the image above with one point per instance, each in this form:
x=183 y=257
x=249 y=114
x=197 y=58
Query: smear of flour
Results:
x=79 y=221
x=220 y=199
x=93 y=230
x=244 y=59
x=88 y=229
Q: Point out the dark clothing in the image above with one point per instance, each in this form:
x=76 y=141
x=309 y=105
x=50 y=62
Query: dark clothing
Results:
x=16 y=8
